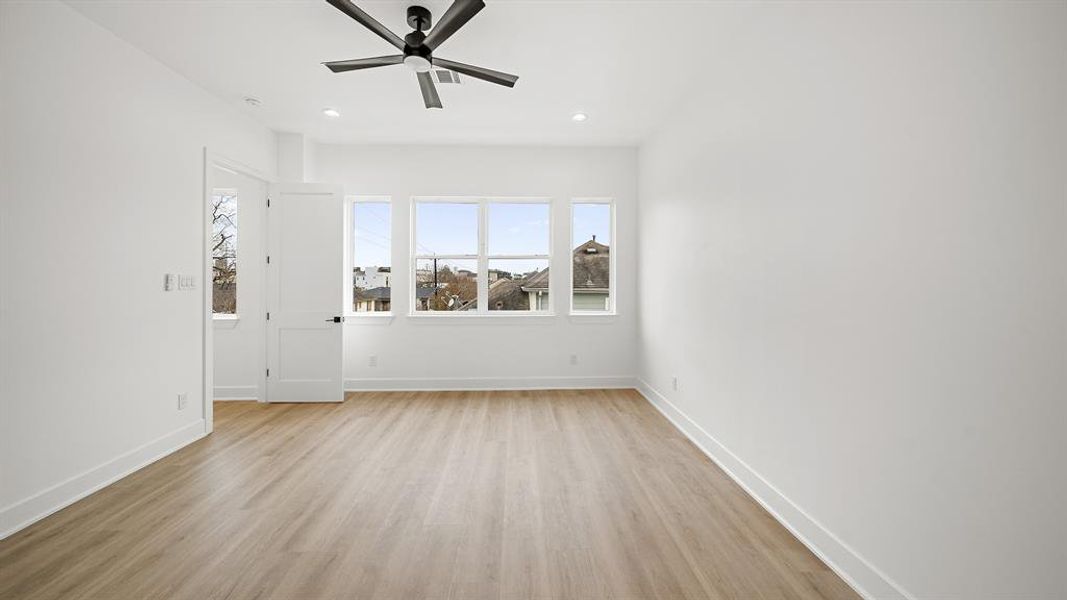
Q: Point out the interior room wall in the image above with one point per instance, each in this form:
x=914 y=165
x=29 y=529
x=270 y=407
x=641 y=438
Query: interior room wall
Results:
x=102 y=188
x=520 y=351
x=240 y=355
x=866 y=209
x=296 y=161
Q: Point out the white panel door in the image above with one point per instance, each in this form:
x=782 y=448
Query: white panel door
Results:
x=305 y=293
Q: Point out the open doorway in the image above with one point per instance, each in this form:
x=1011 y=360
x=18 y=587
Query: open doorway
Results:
x=235 y=283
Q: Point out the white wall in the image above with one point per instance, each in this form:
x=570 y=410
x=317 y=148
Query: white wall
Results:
x=102 y=193
x=868 y=207
x=434 y=353
x=240 y=355
x=296 y=157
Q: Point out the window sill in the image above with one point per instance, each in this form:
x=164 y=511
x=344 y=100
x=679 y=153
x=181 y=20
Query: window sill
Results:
x=225 y=321
x=369 y=318
x=499 y=318
x=593 y=317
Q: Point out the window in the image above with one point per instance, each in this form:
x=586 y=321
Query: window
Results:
x=480 y=256
x=592 y=266
x=518 y=245
x=224 y=251
x=372 y=272
x=446 y=256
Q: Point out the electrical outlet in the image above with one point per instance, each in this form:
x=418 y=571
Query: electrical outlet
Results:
x=674 y=383
x=183 y=400
x=372 y=360
x=574 y=359
x=186 y=282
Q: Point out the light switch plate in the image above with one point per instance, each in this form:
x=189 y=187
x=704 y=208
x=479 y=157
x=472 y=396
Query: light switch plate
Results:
x=186 y=282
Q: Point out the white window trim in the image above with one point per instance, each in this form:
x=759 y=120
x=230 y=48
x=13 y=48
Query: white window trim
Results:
x=482 y=258
x=383 y=317
x=612 y=260
x=225 y=320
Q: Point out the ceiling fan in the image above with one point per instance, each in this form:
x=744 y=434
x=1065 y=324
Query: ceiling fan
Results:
x=418 y=46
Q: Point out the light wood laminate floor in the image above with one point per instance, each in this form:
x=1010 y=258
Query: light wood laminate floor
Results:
x=528 y=494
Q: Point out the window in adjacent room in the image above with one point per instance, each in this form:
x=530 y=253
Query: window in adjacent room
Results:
x=372 y=272
x=224 y=251
x=592 y=266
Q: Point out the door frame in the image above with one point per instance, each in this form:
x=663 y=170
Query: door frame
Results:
x=212 y=160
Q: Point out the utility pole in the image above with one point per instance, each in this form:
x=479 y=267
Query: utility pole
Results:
x=435 y=288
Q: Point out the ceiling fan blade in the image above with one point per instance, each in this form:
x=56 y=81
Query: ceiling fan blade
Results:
x=429 y=91
x=455 y=17
x=478 y=72
x=367 y=21
x=340 y=66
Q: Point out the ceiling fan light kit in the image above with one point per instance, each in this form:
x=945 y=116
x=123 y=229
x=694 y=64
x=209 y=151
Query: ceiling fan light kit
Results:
x=418 y=46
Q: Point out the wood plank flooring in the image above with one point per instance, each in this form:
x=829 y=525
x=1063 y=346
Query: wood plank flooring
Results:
x=527 y=494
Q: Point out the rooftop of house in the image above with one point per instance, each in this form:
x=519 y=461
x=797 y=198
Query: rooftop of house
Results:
x=384 y=293
x=362 y=270
x=591 y=270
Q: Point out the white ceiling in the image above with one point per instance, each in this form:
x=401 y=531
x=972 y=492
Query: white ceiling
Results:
x=625 y=63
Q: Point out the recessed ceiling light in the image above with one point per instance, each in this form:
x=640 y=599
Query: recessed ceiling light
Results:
x=252 y=101
x=333 y=113
x=578 y=117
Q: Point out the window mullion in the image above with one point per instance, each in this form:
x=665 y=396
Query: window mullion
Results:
x=483 y=260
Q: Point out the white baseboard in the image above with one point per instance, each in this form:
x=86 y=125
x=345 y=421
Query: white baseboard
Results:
x=864 y=577
x=407 y=384
x=236 y=392
x=26 y=512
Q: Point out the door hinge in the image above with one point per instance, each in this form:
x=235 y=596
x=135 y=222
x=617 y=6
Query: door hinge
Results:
x=268 y=202
x=268 y=259
x=268 y=316
x=268 y=372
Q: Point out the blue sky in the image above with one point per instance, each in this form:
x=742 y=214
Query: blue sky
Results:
x=590 y=220
x=373 y=230
x=445 y=228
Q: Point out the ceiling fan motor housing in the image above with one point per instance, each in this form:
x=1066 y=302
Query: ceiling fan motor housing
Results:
x=417 y=55
x=419 y=18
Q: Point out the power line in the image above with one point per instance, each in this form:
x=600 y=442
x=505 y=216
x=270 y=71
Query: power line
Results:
x=377 y=244
x=374 y=233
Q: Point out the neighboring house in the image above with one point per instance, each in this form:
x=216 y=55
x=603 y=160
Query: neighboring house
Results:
x=373 y=300
x=591 y=279
x=592 y=283
x=422 y=297
x=380 y=299
x=507 y=294
x=372 y=277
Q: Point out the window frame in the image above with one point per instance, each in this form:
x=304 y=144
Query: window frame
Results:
x=235 y=316
x=612 y=260
x=482 y=258
x=350 y=255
